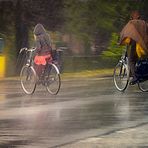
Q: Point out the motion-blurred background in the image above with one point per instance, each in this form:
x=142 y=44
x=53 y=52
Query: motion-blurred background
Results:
x=85 y=31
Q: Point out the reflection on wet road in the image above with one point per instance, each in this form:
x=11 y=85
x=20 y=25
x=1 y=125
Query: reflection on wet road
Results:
x=83 y=108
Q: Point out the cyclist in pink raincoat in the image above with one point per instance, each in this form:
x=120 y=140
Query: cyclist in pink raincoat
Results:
x=43 y=49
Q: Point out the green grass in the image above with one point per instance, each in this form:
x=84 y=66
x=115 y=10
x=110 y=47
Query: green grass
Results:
x=88 y=73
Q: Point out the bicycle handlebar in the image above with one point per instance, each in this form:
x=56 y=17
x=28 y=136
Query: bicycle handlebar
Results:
x=27 y=50
x=22 y=49
x=31 y=49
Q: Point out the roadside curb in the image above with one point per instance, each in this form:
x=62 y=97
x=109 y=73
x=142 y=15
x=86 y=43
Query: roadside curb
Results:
x=62 y=78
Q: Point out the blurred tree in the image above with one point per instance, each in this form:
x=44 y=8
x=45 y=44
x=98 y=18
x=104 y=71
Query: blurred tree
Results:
x=23 y=14
x=21 y=26
x=144 y=10
x=95 y=20
x=90 y=20
x=123 y=11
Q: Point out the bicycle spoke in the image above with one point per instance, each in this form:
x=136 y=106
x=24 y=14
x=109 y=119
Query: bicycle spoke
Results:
x=53 y=81
x=28 y=79
x=120 y=76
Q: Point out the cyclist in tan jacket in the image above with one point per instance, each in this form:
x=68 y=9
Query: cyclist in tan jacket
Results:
x=135 y=33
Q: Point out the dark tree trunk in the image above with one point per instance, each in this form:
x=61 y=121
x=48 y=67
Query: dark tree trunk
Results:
x=21 y=36
x=22 y=28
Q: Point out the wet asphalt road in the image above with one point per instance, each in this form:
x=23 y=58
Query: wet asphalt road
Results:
x=83 y=108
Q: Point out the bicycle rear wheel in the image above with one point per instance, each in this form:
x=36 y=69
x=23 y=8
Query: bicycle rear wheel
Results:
x=121 y=76
x=28 y=79
x=143 y=85
x=53 y=80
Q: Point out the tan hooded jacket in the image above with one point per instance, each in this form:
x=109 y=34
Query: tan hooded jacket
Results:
x=136 y=30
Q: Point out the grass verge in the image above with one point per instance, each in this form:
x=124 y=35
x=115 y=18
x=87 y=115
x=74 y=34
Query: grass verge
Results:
x=89 y=73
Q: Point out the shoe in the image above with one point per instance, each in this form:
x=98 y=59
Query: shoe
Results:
x=133 y=81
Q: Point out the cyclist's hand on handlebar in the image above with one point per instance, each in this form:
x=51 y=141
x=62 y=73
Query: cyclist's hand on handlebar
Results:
x=22 y=49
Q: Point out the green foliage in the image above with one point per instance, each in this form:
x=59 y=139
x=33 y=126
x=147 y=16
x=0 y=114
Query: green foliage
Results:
x=114 y=50
x=85 y=18
x=95 y=20
x=124 y=8
x=89 y=20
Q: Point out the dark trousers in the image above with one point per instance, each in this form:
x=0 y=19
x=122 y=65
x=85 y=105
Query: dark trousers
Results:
x=132 y=58
x=39 y=69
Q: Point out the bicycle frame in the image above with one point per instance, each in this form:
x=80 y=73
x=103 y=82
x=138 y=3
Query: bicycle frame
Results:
x=124 y=70
x=30 y=56
x=50 y=78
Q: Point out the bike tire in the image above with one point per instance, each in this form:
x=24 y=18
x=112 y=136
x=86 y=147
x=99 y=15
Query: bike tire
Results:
x=121 y=76
x=143 y=85
x=28 y=79
x=53 y=79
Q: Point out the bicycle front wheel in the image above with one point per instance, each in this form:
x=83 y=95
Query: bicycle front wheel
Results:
x=28 y=79
x=53 y=80
x=121 y=76
x=143 y=85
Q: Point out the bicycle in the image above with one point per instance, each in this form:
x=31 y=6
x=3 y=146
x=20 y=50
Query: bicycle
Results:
x=121 y=75
x=29 y=79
